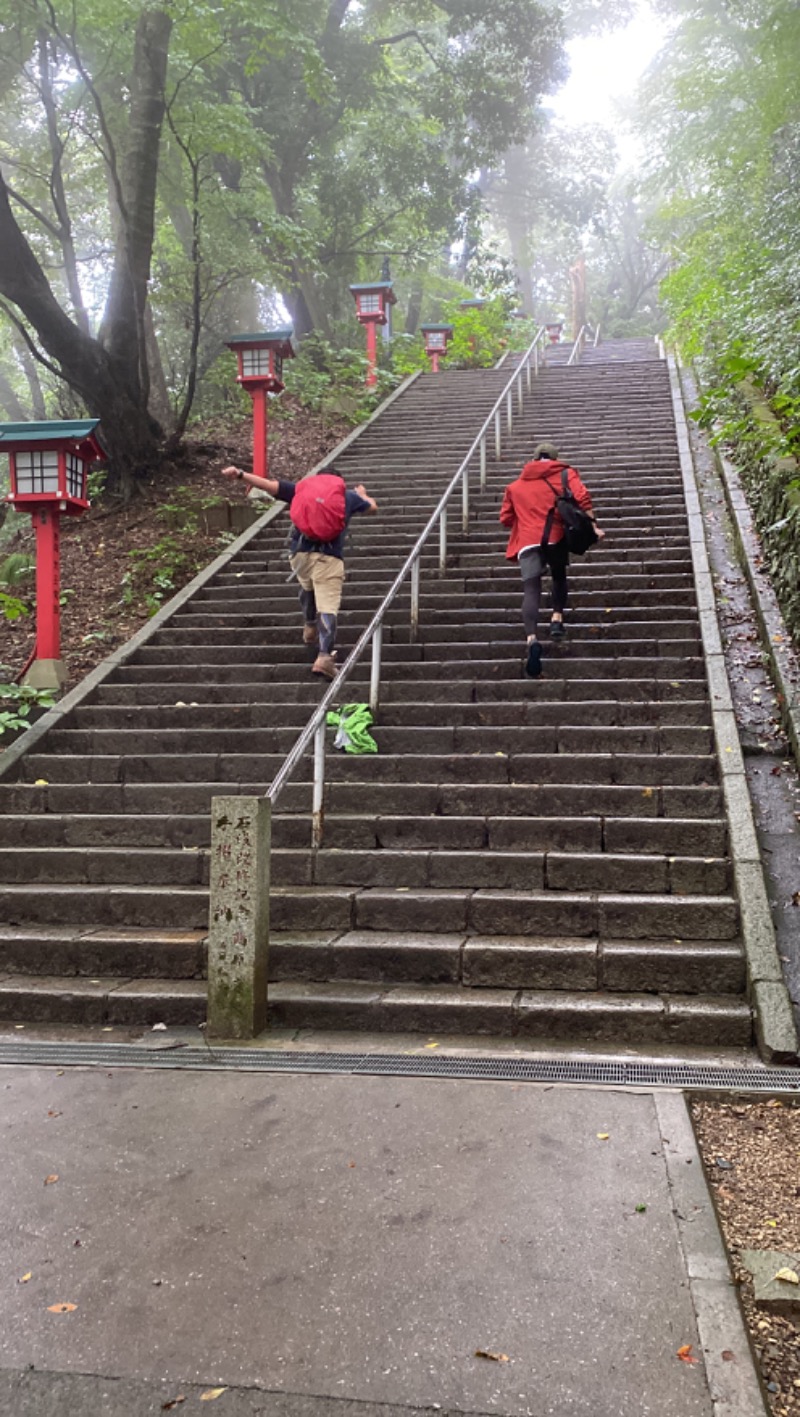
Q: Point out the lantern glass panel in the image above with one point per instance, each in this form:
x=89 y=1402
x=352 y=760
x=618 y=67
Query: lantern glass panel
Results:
x=436 y=341
x=278 y=370
x=369 y=304
x=255 y=362
x=37 y=472
x=75 y=475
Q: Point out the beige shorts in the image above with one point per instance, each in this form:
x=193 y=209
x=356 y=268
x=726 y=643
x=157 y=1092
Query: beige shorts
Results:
x=322 y=574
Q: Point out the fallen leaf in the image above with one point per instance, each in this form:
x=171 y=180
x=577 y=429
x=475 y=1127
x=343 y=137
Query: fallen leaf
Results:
x=61 y=1308
x=25 y=1277
x=41 y=782
x=727 y=1356
x=772 y=1223
x=788 y=1276
x=648 y=792
x=174 y=1402
x=211 y=1394
x=159 y=1028
x=494 y=1357
x=603 y=1136
x=685 y=1354
x=51 y=1113
x=640 y=1209
x=50 y=1180
x=431 y=1045
x=796 y=898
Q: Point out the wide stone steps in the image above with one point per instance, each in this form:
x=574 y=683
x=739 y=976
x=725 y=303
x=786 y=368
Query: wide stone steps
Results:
x=542 y=860
x=705 y=838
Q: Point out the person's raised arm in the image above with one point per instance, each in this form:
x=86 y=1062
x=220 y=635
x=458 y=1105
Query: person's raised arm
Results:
x=268 y=484
x=362 y=492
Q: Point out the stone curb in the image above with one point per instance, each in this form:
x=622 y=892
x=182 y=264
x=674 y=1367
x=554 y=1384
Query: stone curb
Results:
x=733 y=1383
x=774 y=1020
x=29 y=740
x=775 y=637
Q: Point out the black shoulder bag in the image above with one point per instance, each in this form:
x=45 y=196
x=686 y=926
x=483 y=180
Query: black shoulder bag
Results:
x=579 y=529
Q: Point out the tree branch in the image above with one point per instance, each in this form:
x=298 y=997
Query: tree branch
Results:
x=35 y=351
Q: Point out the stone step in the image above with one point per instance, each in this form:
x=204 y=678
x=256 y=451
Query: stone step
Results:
x=192 y=693
x=453 y=738
x=437 y=910
x=416 y=799
x=532 y=1016
x=647 y=770
x=136 y=1002
x=534 y=712
x=671 y=837
x=550 y=870
x=556 y=662
x=478 y=962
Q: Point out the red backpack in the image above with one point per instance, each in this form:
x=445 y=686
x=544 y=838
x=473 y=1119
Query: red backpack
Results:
x=318 y=507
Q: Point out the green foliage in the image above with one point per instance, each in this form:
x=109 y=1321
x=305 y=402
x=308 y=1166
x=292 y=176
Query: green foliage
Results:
x=16 y=569
x=11 y=607
x=18 y=702
x=480 y=336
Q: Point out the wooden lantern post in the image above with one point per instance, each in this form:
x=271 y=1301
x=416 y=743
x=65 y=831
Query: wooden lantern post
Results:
x=373 y=301
x=49 y=466
x=260 y=358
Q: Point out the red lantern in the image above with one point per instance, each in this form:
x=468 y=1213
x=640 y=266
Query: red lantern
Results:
x=49 y=465
x=372 y=305
x=260 y=358
x=437 y=338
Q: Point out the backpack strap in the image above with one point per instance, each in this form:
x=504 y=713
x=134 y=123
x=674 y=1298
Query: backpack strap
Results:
x=548 y=524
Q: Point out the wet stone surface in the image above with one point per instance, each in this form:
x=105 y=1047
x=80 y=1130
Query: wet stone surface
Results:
x=772 y=774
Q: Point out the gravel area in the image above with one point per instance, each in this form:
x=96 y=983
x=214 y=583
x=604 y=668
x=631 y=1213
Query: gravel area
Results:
x=751 y=1152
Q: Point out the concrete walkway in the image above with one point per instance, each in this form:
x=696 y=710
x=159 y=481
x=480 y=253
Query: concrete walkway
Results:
x=324 y=1244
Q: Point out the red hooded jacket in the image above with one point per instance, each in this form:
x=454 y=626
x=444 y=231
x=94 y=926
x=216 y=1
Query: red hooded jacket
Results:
x=528 y=501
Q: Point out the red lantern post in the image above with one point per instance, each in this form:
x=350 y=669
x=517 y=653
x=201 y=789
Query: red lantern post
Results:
x=437 y=338
x=260 y=358
x=372 y=304
x=49 y=464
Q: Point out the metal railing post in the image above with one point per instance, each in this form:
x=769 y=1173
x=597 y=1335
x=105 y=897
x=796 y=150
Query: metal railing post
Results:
x=318 y=790
x=519 y=391
x=415 y=601
x=528 y=370
x=375 y=671
x=498 y=436
x=465 y=499
x=510 y=410
x=483 y=464
x=443 y=541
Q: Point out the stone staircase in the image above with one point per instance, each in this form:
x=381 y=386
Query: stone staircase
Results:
x=540 y=859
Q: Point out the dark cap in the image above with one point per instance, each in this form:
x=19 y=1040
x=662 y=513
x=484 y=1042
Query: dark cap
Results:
x=545 y=450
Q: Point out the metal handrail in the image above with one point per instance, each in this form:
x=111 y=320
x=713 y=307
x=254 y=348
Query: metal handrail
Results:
x=315 y=728
x=577 y=348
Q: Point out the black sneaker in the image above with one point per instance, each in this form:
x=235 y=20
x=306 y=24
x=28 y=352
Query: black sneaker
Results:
x=533 y=660
x=557 y=630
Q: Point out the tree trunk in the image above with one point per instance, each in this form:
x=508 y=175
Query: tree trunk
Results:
x=124 y=325
x=414 y=308
x=9 y=402
x=32 y=379
x=100 y=379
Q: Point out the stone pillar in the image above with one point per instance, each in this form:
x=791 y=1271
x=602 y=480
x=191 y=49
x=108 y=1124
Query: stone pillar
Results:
x=238 y=937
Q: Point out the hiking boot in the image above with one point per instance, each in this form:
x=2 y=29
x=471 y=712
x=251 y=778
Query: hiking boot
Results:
x=557 y=630
x=533 y=660
x=326 y=666
x=310 y=635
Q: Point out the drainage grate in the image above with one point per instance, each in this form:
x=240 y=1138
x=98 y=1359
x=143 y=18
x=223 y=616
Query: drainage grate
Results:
x=498 y=1069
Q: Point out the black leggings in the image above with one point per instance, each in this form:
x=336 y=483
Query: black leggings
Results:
x=557 y=560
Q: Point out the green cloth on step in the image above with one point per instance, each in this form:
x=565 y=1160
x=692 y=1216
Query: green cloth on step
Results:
x=353 y=722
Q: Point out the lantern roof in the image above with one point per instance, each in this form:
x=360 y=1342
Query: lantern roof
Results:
x=436 y=329
x=75 y=430
x=282 y=338
x=476 y=304
x=365 y=286
x=78 y=432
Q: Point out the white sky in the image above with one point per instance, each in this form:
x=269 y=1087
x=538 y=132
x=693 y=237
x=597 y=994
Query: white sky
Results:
x=605 y=70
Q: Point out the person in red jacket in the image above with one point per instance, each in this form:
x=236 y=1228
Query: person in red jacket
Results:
x=529 y=511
